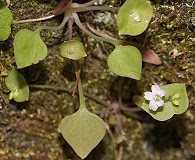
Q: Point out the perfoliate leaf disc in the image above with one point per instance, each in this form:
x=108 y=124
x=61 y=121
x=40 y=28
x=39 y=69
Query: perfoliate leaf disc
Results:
x=5 y=21
x=133 y=17
x=72 y=49
x=28 y=48
x=169 y=109
x=16 y=83
x=83 y=131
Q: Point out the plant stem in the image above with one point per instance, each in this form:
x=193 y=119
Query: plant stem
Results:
x=84 y=5
x=81 y=26
x=56 y=13
x=93 y=8
x=78 y=83
x=70 y=22
x=77 y=77
x=120 y=153
x=66 y=17
x=148 y=55
x=60 y=6
x=90 y=96
x=108 y=129
x=81 y=96
x=34 y=19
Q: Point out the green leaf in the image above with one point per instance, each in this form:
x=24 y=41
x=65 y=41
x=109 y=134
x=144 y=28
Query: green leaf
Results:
x=169 y=109
x=72 y=49
x=138 y=100
x=29 y=48
x=134 y=16
x=16 y=83
x=126 y=61
x=5 y=21
x=83 y=131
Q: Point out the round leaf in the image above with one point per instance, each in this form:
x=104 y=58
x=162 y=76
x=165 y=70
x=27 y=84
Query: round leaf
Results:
x=169 y=109
x=83 y=131
x=72 y=49
x=16 y=83
x=126 y=61
x=134 y=17
x=5 y=21
x=29 y=48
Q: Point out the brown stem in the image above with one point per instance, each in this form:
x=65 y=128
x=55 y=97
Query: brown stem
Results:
x=66 y=7
x=95 y=8
x=77 y=5
x=35 y=19
x=148 y=55
x=62 y=88
x=119 y=124
x=60 y=5
x=120 y=154
x=78 y=72
x=77 y=69
x=70 y=23
x=82 y=27
x=108 y=128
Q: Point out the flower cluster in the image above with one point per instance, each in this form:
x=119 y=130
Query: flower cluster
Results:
x=155 y=97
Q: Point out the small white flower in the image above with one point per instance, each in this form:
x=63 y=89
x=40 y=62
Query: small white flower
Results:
x=155 y=97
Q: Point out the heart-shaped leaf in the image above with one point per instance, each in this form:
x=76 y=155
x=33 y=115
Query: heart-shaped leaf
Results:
x=72 y=49
x=126 y=61
x=134 y=17
x=29 y=48
x=169 y=108
x=83 y=131
x=5 y=21
x=16 y=83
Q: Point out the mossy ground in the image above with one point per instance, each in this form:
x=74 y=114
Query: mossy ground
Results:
x=29 y=130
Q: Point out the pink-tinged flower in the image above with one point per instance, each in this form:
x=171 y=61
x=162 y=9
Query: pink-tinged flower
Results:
x=155 y=97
